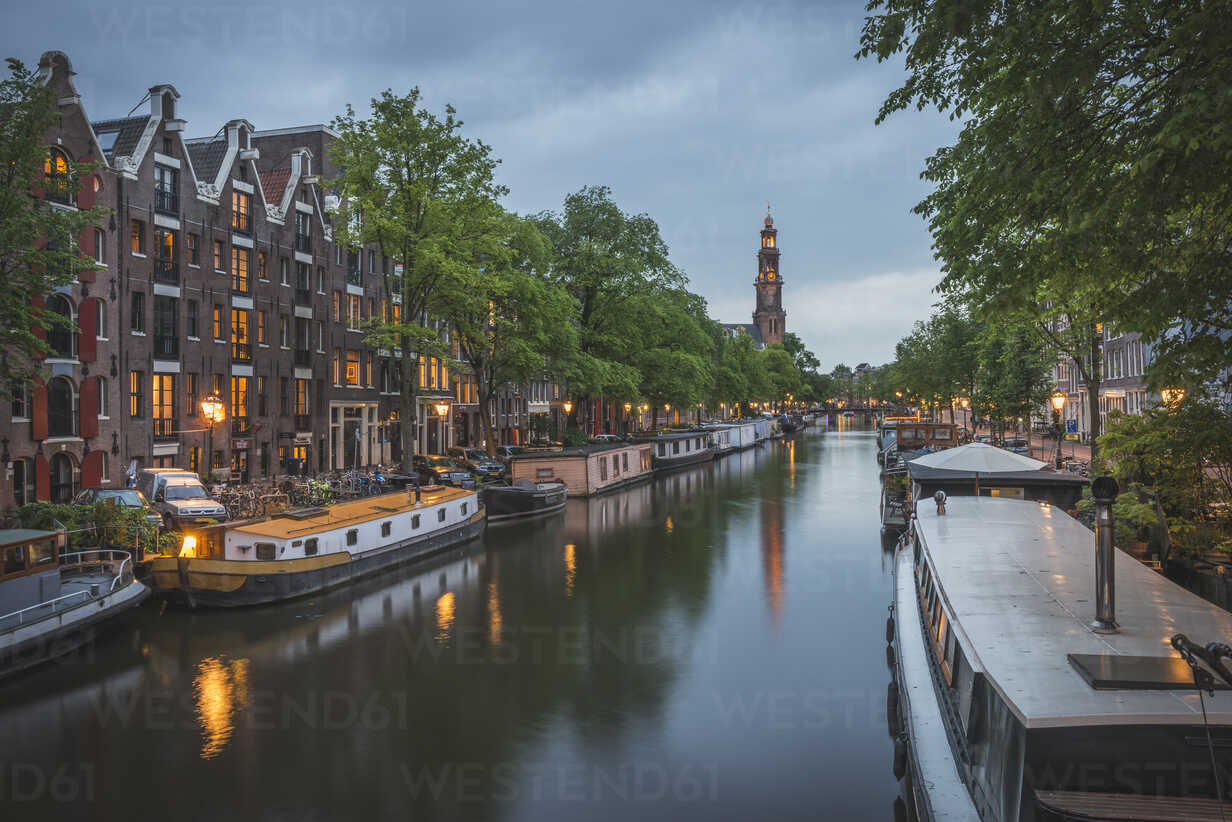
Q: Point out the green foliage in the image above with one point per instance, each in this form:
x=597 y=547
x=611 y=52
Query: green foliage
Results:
x=1093 y=173
x=89 y=526
x=414 y=186
x=1132 y=518
x=29 y=268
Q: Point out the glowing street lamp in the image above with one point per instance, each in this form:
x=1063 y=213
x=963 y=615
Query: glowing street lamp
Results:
x=1058 y=403
x=568 y=406
x=628 y=407
x=442 y=409
x=214 y=411
x=1172 y=397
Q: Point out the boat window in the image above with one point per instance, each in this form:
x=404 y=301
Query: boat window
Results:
x=440 y=514
x=266 y=551
x=353 y=536
x=415 y=521
x=42 y=552
x=950 y=642
x=543 y=472
x=465 y=506
x=602 y=469
x=943 y=434
x=14 y=559
x=676 y=447
x=624 y=458
x=1009 y=493
x=386 y=528
x=942 y=625
x=615 y=465
x=310 y=547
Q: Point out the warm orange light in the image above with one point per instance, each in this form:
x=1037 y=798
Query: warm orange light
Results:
x=1058 y=401
x=1172 y=396
x=628 y=407
x=189 y=547
x=213 y=409
x=442 y=408
x=568 y=406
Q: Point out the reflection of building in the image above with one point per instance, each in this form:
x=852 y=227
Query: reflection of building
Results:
x=769 y=318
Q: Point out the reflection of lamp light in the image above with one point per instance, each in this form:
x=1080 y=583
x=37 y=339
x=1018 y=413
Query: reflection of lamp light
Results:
x=1058 y=401
x=442 y=408
x=568 y=406
x=1172 y=397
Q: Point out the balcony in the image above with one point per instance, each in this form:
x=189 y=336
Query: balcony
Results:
x=303 y=296
x=166 y=202
x=303 y=358
x=303 y=242
x=166 y=271
x=303 y=422
x=166 y=347
x=239 y=426
x=241 y=352
x=164 y=429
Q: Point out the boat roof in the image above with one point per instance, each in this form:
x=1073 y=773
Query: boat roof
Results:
x=288 y=526
x=575 y=451
x=1018 y=579
x=11 y=536
x=987 y=478
x=676 y=435
x=978 y=456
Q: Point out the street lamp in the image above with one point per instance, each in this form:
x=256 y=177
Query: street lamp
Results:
x=568 y=406
x=1058 y=403
x=1172 y=397
x=442 y=409
x=214 y=411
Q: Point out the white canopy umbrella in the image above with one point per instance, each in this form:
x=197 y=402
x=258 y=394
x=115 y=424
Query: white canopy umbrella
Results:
x=979 y=458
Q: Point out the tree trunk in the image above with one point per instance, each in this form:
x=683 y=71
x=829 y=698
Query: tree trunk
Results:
x=407 y=407
x=485 y=419
x=1094 y=378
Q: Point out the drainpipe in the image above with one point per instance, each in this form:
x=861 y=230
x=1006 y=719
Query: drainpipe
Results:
x=1104 y=490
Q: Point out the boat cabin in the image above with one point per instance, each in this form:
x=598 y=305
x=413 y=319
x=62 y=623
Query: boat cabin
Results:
x=586 y=470
x=345 y=529
x=677 y=448
x=29 y=568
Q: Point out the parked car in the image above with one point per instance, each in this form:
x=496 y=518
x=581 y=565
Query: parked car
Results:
x=183 y=500
x=984 y=438
x=149 y=480
x=477 y=462
x=438 y=469
x=127 y=497
x=607 y=438
x=506 y=452
x=1018 y=445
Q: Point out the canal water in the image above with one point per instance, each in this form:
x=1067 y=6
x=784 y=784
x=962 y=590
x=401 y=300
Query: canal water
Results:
x=707 y=646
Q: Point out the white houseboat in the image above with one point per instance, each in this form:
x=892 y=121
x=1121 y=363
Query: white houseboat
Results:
x=680 y=448
x=51 y=601
x=303 y=552
x=724 y=438
x=1015 y=707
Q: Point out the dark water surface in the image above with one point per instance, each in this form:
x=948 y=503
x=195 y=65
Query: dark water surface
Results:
x=707 y=646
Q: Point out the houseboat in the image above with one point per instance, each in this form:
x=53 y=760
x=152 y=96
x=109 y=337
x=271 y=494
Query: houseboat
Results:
x=52 y=601
x=974 y=469
x=586 y=470
x=724 y=438
x=1021 y=696
x=303 y=552
x=524 y=498
x=679 y=448
x=909 y=438
x=746 y=433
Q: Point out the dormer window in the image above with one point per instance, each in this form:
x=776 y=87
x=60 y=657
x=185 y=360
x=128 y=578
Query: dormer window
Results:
x=241 y=203
x=55 y=172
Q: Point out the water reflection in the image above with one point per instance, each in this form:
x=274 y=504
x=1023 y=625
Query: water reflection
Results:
x=521 y=677
x=221 y=691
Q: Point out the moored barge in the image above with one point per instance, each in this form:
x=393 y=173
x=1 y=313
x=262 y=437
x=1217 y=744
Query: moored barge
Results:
x=677 y=449
x=1015 y=707
x=524 y=499
x=586 y=470
x=304 y=552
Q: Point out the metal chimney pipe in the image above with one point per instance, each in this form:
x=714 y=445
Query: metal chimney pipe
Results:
x=1104 y=490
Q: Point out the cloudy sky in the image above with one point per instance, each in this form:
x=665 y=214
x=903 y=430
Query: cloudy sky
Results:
x=696 y=112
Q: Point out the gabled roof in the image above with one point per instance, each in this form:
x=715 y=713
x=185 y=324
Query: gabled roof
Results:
x=127 y=132
x=748 y=328
x=274 y=184
x=207 y=156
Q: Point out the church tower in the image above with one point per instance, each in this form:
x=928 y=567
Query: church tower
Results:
x=769 y=315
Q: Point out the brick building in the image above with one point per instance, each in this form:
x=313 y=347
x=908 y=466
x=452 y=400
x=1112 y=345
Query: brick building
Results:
x=217 y=275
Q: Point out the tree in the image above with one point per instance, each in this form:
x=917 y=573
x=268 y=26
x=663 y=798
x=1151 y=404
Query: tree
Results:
x=806 y=361
x=606 y=259
x=781 y=373
x=1093 y=171
x=412 y=185
x=511 y=324
x=674 y=361
x=1015 y=372
x=38 y=241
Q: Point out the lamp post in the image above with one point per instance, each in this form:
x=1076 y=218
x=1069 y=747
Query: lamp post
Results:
x=442 y=411
x=213 y=411
x=1058 y=403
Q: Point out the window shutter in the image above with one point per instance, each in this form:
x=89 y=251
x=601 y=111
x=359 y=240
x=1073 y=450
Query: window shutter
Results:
x=38 y=304
x=87 y=321
x=85 y=196
x=92 y=467
x=87 y=408
x=42 y=478
x=38 y=419
x=85 y=242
